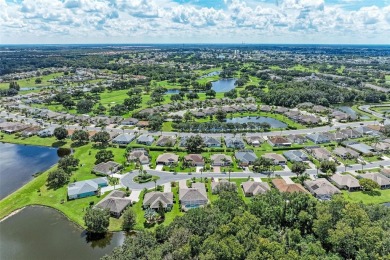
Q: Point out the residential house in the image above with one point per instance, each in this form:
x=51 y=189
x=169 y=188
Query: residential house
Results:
x=183 y=141
x=361 y=148
x=351 y=133
x=319 y=153
x=382 y=147
x=193 y=197
x=234 y=142
x=296 y=139
x=154 y=199
x=318 y=138
x=296 y=156
x=336 y=136
x=283 y=186
x=129 y=121
x=30 y=131
x=278 y=159
x=382 y=180
x=211 y=141
x=194 y=159
x=254 y=140
x=252 y=188
x=167 y=159
x=280 y=110
x=140 y=155
x=145 y=139
x=115 y=202
x=340 y=116
x=345 y=181
x=345 y=153
x=46 y=132
x=221 y=160
x=385 y=172
x=82 y=189
x=142 y=124
x=278 y=141
x=245 y=157
x=365 y=130
x=265 y=108
x=166 y=140
x=106 y=168
x=321 y=188
x=123 y=139
x=221 y=185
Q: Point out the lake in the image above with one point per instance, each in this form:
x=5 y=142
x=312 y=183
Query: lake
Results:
x=352 y=112
x=44 y=233
x=223 y=85
x=261 y=119
x=20 y=162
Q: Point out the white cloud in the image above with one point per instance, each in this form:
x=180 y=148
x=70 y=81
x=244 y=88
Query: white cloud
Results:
x=165 y=20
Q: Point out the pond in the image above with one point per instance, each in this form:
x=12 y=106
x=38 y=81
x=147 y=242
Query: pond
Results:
x=223 y=85
x=20 y=162
x=260 y=119
x=172 y=91
x=352 y=112
x=44 y=233
x=214 y=73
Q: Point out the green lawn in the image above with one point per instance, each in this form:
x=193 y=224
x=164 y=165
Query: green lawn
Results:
x=360 y=196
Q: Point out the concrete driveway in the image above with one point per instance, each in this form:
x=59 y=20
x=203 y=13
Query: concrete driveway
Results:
x=217 y=169
x=159 y=167
x=198 y=168
x=134 y=195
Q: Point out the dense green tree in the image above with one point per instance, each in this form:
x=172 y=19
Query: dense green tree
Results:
x=57 y=178
x=38 y=81
x=211 y=93
x=104 y=156
x=262 y=165
x=129 y=219
x=133 y=102
x=14 y=85
x=60 y=133
x=84 y=106
x=97 y=220
x=368 y=184
x=195 y=143
x=155 y=122
x=102 y=137
x=67 y=163
x=328 y=167
x=80 y=136
x=220 y=115
x=298 y=168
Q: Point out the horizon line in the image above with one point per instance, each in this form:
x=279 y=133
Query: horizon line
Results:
x=162 y=43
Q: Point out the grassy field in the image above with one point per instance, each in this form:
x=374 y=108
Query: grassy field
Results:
x=31 y=81
x=383 y=196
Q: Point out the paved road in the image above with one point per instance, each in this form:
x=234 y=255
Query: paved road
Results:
x=167 y=177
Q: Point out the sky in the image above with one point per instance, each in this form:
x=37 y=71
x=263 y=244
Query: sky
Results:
x=194 y=21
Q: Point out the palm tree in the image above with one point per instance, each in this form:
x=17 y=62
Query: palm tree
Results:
x=346 y=165
x=155 y=184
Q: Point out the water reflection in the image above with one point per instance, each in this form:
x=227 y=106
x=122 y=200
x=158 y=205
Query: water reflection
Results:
x=44 y=233
x=20 y=162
